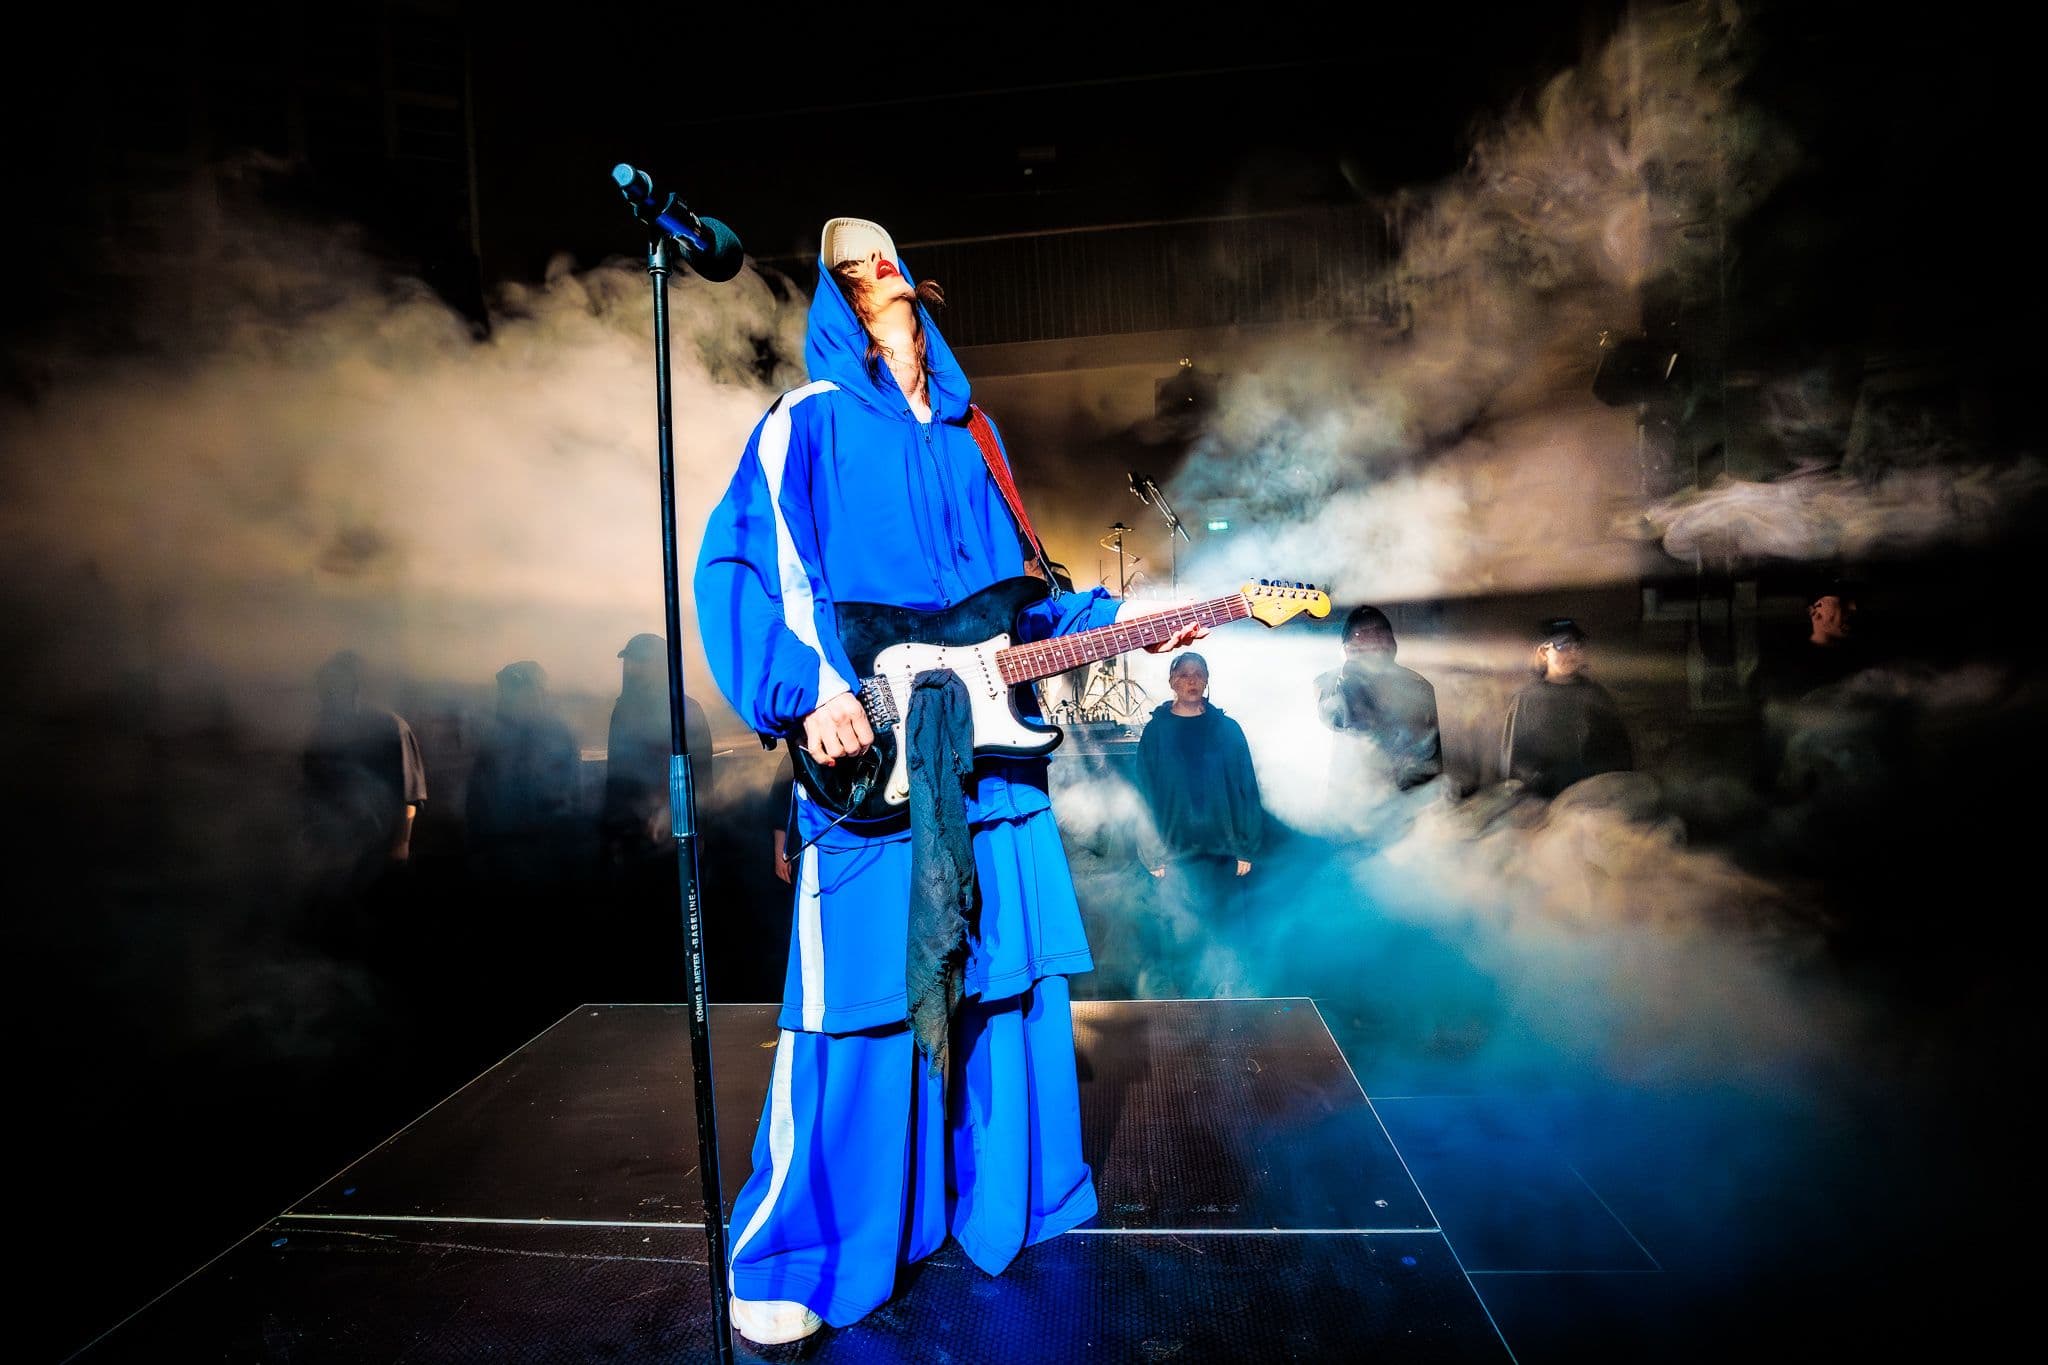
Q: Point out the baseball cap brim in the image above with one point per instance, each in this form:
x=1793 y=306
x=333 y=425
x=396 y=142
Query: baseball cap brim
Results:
x=853 y=239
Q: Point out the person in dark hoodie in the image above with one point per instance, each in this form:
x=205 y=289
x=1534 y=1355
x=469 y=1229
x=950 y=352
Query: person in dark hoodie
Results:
x=634 y=821
x=867 y=484
x=523 y=787
x=364 y=784
x=638 y=955
x=1562 y=727
x=1195 y=770
x=1385 y=714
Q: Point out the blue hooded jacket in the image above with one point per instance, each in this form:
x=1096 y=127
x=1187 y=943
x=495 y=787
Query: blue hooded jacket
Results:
x=843 y=494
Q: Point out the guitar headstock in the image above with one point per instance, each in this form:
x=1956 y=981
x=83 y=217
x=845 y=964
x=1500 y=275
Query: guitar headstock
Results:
x=1273 y=601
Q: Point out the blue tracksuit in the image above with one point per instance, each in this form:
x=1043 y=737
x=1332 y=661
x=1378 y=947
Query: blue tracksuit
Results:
x=843 y=494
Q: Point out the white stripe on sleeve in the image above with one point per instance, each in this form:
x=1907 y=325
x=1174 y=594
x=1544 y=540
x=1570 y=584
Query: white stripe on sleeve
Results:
x=799 y=606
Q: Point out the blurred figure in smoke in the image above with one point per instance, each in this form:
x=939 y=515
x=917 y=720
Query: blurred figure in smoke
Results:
x=523 y=790
x=638 y=958
x=1384 y=714
x=364 y=785
x=1195 y=770
x=1797 y=686
x=634 y=820
x=1562 y=727
x=1841 y=764
x=1830 y=652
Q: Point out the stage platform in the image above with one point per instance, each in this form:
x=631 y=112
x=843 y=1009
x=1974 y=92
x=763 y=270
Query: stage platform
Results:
x=1253 y=1208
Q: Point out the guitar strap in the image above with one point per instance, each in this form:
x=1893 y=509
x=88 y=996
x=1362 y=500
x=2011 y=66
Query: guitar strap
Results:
x=999 y=470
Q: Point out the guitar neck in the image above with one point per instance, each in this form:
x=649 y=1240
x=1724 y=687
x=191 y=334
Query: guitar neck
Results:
x=1044 y=658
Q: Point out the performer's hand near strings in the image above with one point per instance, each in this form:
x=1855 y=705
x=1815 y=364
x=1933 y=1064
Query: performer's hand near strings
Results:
x=838 y=729
x=1186 y=635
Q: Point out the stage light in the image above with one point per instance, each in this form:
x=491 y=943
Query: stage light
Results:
x=1219 y=526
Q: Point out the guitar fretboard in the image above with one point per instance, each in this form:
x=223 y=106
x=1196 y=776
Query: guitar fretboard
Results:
x=1043 y=658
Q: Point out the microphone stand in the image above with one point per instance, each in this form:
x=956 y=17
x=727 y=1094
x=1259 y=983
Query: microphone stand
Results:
x=1115 y=541
x=683 y=817
x=1173 y=529
x=1148 y=493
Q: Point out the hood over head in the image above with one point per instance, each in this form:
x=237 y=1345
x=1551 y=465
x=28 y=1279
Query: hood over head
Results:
x=836 y=348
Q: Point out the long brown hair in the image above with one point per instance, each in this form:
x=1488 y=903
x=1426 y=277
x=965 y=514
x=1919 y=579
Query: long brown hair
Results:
x=928 y=293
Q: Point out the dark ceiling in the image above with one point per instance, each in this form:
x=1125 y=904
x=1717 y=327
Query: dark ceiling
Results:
x=945 y=135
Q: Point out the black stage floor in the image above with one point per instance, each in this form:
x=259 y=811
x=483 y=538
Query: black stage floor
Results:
x=1253 y=1208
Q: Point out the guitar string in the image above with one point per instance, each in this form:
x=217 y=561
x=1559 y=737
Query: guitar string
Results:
x=1071 y=651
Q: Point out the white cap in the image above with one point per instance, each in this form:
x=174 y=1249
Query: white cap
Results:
x=852 y=239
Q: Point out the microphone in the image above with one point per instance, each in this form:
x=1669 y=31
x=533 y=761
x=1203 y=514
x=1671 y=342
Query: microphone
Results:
x=709 y=247
x=1149 y=494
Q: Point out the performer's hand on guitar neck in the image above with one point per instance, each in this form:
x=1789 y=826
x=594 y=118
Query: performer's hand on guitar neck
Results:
x=838 y=729
x=1186 y=635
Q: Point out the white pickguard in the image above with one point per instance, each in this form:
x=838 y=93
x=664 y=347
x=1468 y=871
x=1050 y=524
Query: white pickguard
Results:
x=996 y=724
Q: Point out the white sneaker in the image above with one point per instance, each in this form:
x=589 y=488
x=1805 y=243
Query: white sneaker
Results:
x=771 y=1322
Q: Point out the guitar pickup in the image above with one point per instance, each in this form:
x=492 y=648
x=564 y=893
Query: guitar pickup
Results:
x=880 y=703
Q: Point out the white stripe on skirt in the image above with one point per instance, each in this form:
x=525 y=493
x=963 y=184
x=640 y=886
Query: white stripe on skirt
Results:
x=781 y=1138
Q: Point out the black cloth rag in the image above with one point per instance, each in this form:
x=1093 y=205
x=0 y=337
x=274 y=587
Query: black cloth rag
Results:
x=944 y=901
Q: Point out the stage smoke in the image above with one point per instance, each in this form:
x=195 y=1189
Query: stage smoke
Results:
x=336 y=460
x=1454 y=447
x=1822 y=515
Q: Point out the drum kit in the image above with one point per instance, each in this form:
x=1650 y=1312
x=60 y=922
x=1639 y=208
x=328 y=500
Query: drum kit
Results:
x=1103 y=694
x=1106 y=694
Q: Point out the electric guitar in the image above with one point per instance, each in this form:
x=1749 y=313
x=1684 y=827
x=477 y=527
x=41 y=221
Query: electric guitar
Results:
x=889 y=646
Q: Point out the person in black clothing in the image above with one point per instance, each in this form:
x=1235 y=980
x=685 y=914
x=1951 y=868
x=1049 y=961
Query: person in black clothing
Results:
x=1386 y=714
x=364 y=779
x=526 y=783
x=1562 y=727
x=638 y=957
x=1834 y=738
x=1195 y=770
x=1841 y=764
x=1830 y=652
x=1804 y=712
x=634 y=820
x=364 y=784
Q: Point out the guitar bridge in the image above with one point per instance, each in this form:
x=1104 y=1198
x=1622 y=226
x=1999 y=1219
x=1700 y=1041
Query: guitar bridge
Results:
x=880 y=703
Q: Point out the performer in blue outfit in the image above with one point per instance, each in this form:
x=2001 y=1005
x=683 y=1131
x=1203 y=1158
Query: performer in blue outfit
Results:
x=866 y=485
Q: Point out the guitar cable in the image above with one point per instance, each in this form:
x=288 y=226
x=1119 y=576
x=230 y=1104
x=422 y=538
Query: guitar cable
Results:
x=874 y=696
x=861 y=787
